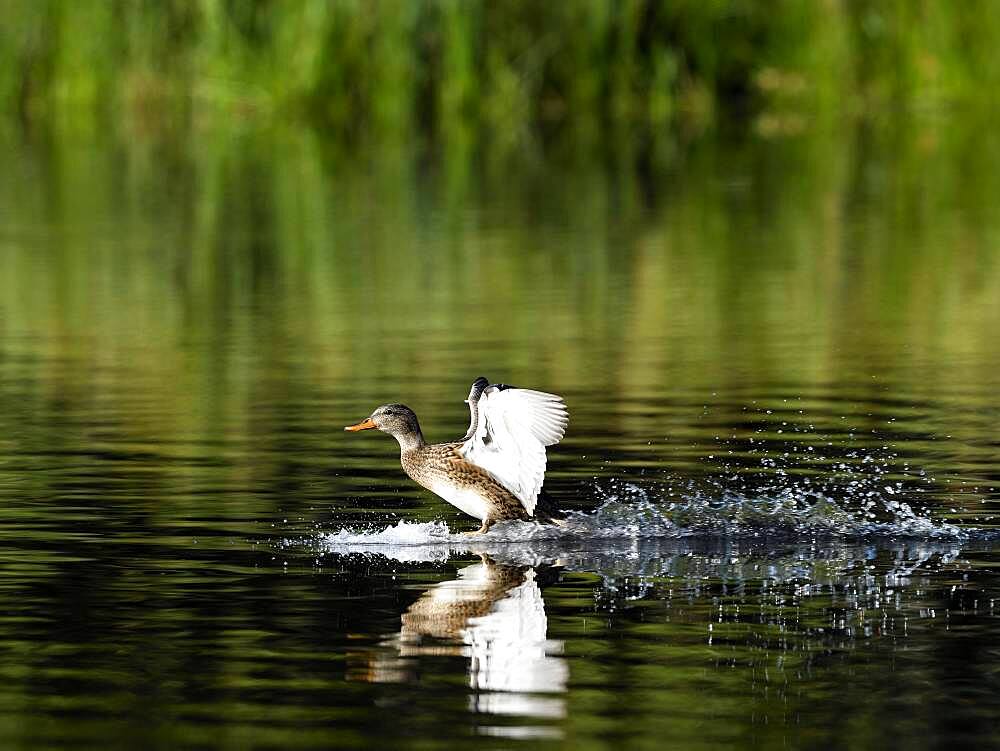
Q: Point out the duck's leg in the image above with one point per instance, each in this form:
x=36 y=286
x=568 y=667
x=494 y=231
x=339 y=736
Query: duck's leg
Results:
x=487 y=523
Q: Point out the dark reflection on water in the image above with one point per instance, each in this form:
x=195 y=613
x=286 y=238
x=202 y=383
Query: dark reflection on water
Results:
x=702 y=641
x=781 y=363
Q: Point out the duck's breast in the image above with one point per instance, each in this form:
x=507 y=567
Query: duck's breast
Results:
x=444 y=472
x=466 y=499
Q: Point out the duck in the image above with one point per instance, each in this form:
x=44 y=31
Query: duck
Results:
x=495 y=472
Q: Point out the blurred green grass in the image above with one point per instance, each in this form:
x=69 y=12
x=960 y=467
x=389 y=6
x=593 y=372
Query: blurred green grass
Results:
x=400 y=65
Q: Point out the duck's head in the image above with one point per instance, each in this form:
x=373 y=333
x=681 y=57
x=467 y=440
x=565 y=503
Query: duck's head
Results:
x=397 y=420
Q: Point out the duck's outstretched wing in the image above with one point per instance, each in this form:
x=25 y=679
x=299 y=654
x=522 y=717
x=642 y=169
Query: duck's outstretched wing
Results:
x=513 y=429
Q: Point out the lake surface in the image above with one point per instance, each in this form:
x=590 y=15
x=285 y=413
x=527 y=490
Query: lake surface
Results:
x=781 y=357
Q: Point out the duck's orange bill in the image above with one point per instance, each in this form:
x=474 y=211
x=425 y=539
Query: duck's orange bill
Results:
x=365 y=424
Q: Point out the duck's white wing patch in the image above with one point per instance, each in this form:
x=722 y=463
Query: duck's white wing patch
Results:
x=515 y=426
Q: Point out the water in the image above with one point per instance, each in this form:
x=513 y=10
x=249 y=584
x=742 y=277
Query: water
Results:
x=782 y=465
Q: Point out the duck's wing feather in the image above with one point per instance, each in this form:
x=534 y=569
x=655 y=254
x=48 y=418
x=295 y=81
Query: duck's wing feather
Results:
x=514 y=427
x=475 y=392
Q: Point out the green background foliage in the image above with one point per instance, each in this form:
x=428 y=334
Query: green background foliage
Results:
x=397 y=65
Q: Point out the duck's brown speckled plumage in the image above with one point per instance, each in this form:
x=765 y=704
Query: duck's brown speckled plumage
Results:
x=431 y=464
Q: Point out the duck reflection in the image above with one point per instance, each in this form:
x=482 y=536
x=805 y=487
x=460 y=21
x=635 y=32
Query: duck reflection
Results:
x=492 y=614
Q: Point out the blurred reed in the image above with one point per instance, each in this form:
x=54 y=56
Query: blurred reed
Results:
x=401 y=65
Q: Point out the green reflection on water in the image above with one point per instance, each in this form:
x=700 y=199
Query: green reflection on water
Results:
x=214 y=295
x=187 y=320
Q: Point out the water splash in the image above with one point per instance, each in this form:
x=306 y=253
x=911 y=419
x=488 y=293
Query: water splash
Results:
x=634 y=512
